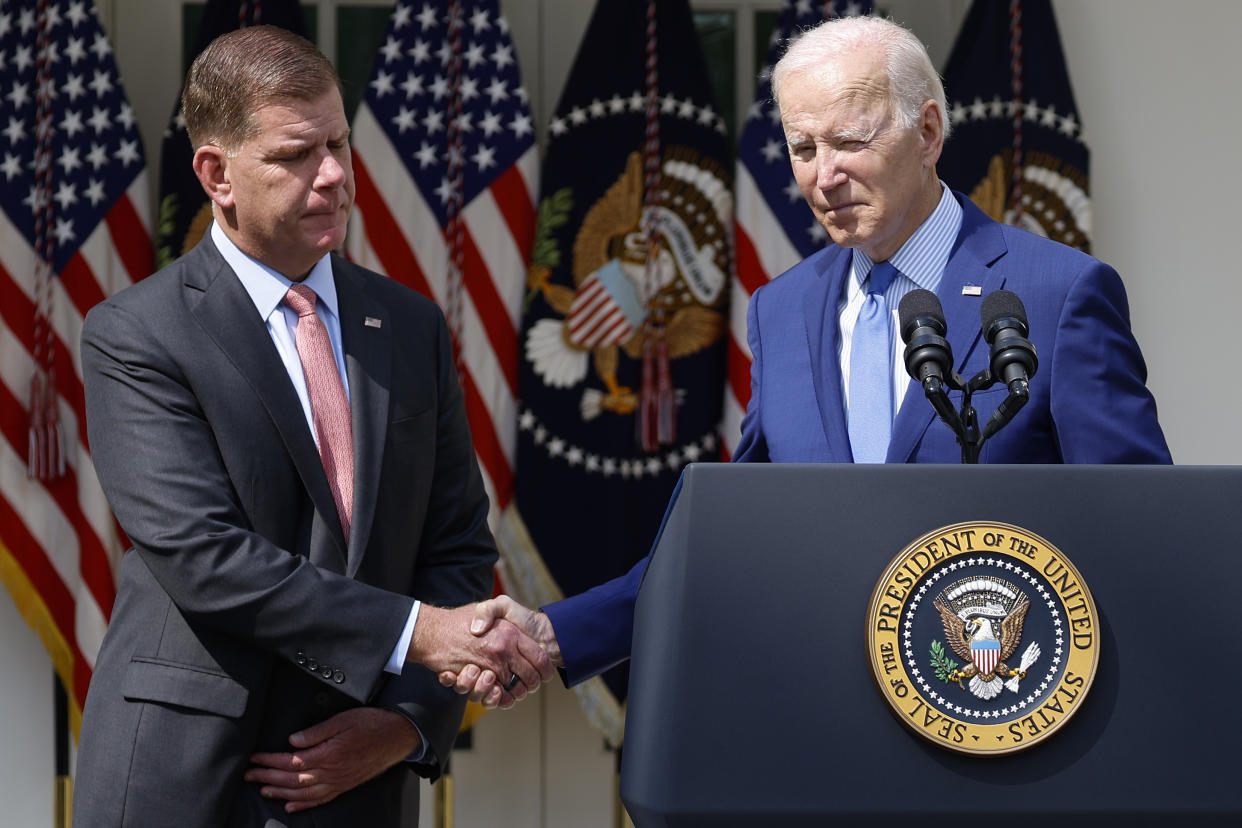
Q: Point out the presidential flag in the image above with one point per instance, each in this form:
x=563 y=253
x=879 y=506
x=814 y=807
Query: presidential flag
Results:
x=624 y=322
x=445 y=166
x=775 y=229
x=185 y=211
x=72 y=231
x=1017 y=147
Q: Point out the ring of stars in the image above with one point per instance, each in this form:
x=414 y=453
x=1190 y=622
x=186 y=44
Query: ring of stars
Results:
x=1032 y=111
x=635 y=103
x=628 y=468
x=1054 y=663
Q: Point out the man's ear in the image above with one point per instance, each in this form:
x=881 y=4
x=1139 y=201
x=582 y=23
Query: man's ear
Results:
x=931 y=132
x=211 y=165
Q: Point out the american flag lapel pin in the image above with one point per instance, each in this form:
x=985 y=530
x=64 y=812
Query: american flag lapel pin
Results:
x=372 y=322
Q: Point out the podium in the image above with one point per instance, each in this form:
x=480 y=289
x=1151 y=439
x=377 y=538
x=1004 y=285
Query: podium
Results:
x=751 y=702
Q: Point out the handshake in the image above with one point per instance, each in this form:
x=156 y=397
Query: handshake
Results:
x=495 y=651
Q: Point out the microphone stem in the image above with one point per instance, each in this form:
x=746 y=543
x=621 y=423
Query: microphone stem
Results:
x=1019 y=394
x=970 y=439
x=934 y=390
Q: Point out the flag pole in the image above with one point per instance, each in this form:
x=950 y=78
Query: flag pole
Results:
x=620 y=816
x=443 y=789
x=63 y=791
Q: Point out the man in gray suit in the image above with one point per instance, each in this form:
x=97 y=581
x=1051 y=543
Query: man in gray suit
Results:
x=282 y=437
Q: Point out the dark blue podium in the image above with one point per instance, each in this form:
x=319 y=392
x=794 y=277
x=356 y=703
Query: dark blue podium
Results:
x=751 y=702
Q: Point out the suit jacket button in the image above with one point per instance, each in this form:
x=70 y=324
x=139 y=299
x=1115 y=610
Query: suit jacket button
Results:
x=338 y=677
x=326 y=672
x=312 y=664
x=300 y=658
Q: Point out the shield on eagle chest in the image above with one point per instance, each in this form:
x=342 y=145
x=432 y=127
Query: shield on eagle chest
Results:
x=986 y=655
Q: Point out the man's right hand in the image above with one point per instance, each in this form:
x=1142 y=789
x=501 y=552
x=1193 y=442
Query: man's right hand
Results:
x=444 y=641
x=479 y=681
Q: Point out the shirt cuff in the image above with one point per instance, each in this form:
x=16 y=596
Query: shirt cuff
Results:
x=424 y=754
x=397 y=660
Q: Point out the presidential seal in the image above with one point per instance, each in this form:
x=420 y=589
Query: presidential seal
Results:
x=983 y=638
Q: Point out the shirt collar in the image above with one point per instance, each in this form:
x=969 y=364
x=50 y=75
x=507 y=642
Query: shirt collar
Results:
x=265 y=286
x=924 y=255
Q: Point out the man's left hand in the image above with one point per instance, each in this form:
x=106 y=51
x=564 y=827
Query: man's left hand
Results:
x=334 y=756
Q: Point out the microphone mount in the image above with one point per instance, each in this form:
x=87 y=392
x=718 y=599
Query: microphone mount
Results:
x=929 y=361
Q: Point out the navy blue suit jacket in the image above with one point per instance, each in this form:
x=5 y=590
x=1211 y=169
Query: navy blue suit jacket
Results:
x=1089 y=401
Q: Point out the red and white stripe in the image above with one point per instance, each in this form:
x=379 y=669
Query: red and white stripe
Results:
x=396 y=233
x=762 y=251
x=60 y=535
x=986 y=656
x=595 y=319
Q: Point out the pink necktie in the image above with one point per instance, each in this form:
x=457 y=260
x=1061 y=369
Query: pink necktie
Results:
x=329 y=407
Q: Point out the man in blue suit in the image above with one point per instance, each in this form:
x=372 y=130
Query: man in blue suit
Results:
x=864 y=117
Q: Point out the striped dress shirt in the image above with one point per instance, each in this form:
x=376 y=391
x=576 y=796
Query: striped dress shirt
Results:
x=921 y=262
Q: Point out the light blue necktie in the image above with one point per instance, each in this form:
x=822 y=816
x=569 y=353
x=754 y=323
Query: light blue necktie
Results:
x=871 y=387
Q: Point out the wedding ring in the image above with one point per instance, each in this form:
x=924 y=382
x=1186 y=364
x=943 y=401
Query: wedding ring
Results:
x=512 y=682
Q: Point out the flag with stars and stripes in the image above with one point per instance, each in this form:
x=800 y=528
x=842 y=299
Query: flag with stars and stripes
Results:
x=446 y=170
x=72 y=231
x=775 y=229
x=624 y=321
x=1017 y=147
x=185 y=211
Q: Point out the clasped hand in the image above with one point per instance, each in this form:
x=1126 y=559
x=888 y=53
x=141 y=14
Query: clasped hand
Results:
x=482 y=682
x=480 y=642
x=449 y=641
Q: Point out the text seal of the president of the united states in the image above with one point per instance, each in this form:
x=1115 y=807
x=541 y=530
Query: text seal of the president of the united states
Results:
x=983 y=638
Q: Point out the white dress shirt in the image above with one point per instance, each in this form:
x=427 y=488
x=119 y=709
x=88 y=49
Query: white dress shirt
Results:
x=267 y=290
x=920 y=262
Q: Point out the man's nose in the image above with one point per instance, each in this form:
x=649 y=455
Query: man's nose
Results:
x=331 y=171
x=828 y=173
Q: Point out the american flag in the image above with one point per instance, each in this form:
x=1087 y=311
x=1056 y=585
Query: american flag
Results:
x=774 y=228
x=1018 y=149
x=73 y=230
x=447 y=173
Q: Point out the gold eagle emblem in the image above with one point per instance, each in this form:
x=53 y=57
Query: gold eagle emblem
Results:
x=614 y=294
x=982 y=620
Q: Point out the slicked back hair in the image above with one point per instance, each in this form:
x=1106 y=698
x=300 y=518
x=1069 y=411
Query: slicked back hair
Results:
x=246 y=69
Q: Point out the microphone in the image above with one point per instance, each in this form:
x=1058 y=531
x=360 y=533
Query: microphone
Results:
x=1005 y=328
x=1013 y=359
x=921 y=318
x=928 y=356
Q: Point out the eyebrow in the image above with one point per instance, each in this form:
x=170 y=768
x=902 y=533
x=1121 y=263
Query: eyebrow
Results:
x=857 y=133
x=301 y=142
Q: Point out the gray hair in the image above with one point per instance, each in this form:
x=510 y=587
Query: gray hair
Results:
x=911 y=76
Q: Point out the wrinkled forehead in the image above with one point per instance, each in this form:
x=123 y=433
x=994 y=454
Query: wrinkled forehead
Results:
x=856 y=106
x=840 y=86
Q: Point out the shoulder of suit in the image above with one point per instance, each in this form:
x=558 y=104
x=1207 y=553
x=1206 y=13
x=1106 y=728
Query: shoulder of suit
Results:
x=1031 y=257
x=820 y=263
x=1023 y=243
x=163 y=285
x=384 y=289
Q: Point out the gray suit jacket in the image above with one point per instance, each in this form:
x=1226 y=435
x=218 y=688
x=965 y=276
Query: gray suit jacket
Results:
x=242 y=613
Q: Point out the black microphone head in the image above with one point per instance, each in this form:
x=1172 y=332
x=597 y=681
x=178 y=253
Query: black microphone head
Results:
x=998 y=305
x=1005 y=329
x=919 y=307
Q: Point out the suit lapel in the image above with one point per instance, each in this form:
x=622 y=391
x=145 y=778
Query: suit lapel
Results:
x=227 y=315
x=820 y=312
x=366 y=336
x=979 y=246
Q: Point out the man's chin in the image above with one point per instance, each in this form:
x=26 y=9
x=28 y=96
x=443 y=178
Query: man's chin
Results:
x=327 y=241
x=843 y=234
